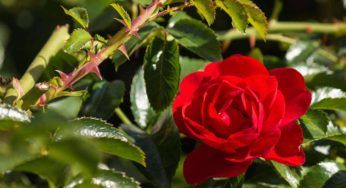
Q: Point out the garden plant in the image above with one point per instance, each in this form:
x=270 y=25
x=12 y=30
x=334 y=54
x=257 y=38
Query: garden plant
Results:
x=211 y=93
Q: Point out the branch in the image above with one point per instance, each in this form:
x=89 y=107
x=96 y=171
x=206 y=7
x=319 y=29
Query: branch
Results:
x=33 y=73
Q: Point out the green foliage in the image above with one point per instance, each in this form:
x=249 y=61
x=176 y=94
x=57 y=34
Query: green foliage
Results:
x=196 y=37
x=77 y=41
x=162 y=149
x=104 y=98
x=80 y=15
x=126 y=19
x=236 y=11
x=142 y=111
x=206 y=9
x=161 y=72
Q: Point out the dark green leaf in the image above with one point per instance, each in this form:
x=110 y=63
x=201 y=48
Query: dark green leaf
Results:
x=143 y=113
x=104 y=98
x=206 y=9
x=80 y=15
x=162 y=148
x=236 y=11
x=196 y=37
x=108 y=139
x=47 y=168
x=161 y=72
x=338 y=180
x=77 y=41
x=316 y=123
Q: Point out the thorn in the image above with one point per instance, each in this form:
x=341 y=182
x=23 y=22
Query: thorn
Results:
x=123 y=23
x=123 y=50
x=91 y=67
x=42 y=101
x=252 y=41
x=17 y=87
x=66 y=78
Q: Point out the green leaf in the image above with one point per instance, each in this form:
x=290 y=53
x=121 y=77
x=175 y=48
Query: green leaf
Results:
x=206 y=9
x=68 y=107
x=196 y=37
x=318 y=175
x=104 y=98
x=300 y=52
x=338 y=104
x=166 y=138
x=327 y=92
x=287 y=173
x=256 y=17
x=236 y=11
x=105 y=179
x=108 y=139
x=124 y=15
x=80 y=15
x=161 y=72
x=82 y=155
x=190 y=65
x=135 y=43
x=162 y=148
x=338 y=180
x=143 y=113
x=8 y=112
x=47 y=168
x=338 y=138
x=77 y=41
x=316 y=122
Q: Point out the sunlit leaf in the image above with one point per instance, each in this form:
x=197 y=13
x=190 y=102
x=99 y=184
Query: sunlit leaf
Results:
x=80 y=15
x=206 y=9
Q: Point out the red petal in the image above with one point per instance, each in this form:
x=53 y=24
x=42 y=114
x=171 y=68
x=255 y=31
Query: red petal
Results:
x=288 y=150
x=297 y=97
x=275 y=113
x=204 y=163
x=237 y=65
x=187 y=89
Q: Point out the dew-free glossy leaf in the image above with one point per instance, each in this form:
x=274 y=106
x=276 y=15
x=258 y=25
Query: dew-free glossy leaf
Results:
x=78 y=39
x=161 y=72
x=236 y=11
x=104 y=98
x=206 y=9
x=196 y=37
x=124 y=15
x=80 y=15
x=338 y=104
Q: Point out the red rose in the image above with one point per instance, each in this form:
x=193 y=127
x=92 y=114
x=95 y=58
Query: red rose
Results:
x=240 y=111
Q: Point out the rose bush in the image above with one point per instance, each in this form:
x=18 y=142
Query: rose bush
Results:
x=240 y=111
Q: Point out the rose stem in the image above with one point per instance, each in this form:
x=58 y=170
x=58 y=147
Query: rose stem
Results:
x=54 y=44
x=122 y=116
x=287 y=27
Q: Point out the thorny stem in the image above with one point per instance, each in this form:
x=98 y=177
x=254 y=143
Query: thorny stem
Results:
x=287 y=27
x=39 y=64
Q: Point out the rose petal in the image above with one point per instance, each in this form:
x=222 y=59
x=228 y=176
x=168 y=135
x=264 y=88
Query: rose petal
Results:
x=288 y=150
x=236 y=65
x=275 y=114
x=204 y=163
x=297 y=97
x=188 y=86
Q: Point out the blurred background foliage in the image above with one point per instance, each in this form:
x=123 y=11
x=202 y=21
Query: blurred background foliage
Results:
x=25 y=26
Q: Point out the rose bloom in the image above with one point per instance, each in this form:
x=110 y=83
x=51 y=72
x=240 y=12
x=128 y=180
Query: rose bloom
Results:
x=240 y=111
